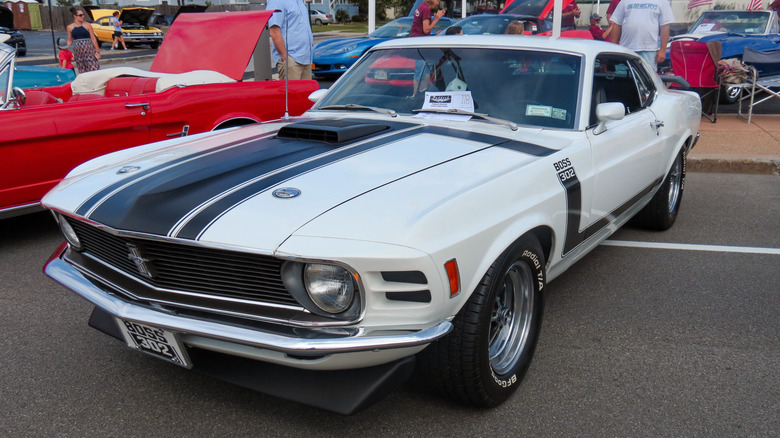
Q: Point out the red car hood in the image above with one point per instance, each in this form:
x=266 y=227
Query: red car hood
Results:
x=218 y=41
x=531 y=8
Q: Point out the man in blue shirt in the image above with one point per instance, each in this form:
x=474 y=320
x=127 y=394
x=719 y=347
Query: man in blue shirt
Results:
x=292 y=38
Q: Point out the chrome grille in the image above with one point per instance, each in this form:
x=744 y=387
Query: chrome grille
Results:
x=213 y=272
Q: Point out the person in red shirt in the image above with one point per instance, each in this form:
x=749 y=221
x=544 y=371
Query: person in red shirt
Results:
x=568 y=15
x=596 y=30
x=65 y=56
x=423 y=23
x=610 y=10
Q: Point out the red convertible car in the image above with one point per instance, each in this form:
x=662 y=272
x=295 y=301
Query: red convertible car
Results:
x=194 y=85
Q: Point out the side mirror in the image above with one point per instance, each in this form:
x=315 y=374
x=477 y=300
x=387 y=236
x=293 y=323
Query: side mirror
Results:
x=676 y=80
x=317 y=95
x=606 y=112
x=18 y=96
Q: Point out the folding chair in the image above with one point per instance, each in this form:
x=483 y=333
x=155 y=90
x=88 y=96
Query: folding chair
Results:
x=764 y=78
x=692 y=61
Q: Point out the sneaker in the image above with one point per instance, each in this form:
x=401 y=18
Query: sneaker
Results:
x=112 y=49
x=126 y=48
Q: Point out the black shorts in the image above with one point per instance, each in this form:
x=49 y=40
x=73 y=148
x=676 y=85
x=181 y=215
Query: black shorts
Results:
x=117 y=33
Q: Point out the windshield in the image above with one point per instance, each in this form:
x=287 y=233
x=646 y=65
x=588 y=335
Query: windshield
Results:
x=490 y=24
x=522 y=86
x=400 y=28
x=5 y=77
x=745 y=22
x=526 y=7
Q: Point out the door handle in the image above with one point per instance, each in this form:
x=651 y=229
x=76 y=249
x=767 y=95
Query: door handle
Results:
x=184 y=131
x=144 y=105
x=657 y=125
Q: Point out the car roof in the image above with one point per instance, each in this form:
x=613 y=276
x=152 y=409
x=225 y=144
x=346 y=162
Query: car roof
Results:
x=574 y=45
x=198 y=42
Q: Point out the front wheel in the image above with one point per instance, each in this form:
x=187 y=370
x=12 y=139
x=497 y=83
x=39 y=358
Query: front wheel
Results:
x=483 y=360
x=662 y=210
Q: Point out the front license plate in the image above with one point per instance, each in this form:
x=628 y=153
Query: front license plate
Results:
x=155 y=341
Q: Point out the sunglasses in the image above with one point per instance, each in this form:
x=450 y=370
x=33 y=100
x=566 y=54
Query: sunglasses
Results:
x=79 y=15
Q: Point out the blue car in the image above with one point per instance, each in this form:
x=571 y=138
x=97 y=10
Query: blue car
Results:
x=735 y=29
x=33 y=76
x=334 y=57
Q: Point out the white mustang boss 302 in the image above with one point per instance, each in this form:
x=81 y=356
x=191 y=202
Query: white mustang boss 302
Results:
x=413 y=217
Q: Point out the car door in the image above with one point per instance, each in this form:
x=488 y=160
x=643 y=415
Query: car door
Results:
x=40 y=144
x=627 y=156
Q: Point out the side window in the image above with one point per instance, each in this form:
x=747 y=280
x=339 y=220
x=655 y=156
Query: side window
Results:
x=614 y=80
x=644 y=83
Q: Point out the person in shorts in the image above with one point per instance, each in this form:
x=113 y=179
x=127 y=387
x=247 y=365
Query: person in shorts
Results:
x=118 y=38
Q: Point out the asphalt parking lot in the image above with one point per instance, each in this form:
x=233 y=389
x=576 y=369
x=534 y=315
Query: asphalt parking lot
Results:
x=682 y=339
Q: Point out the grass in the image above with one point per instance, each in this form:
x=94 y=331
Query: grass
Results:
x=346 y=27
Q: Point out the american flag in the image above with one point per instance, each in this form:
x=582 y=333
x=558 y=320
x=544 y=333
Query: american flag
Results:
x=754 y=5
x=696 y=3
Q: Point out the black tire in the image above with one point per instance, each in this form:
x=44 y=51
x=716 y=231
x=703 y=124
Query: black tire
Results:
x=154 y=46
x=483 y=360
x=662 y=210
x=729 y=95
x=318 y=22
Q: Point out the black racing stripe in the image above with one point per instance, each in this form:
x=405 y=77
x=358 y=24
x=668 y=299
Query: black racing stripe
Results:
x=156 y=203
x=97 y=197
x=200 y=222
x=198 y=225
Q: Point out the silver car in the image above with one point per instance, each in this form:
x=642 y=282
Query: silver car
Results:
x=320 y=18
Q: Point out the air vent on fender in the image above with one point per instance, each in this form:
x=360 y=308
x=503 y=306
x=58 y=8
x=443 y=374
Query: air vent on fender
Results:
x=331 y=131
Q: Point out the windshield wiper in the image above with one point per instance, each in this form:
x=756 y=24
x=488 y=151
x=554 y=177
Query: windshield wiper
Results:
x=497 y=121
x=351 y=106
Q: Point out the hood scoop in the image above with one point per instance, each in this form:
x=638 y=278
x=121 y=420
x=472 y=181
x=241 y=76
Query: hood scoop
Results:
x=330 y=131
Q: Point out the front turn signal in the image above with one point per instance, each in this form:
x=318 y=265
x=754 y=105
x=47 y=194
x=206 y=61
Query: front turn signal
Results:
x=453 y=276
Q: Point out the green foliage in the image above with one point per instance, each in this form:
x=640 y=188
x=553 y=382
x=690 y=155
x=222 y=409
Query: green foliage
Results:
x=342 y=16
x=357 y=19
x=86 y=2
x=65 y=3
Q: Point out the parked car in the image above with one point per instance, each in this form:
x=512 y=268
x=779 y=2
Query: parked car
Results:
x=16 y=39
x=536 y=8
x=166 y=20
x=493 y=24
x=36 y=76
x=135 y=28
x=735 y=30
x=47 y=132
x=320 y=258
x=319 y=18
x=333 y=57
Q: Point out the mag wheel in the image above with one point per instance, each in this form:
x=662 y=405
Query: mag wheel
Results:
x=662 y=210
x=484 y=358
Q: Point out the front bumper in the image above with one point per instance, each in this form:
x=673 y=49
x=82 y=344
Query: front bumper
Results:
x=310 y=350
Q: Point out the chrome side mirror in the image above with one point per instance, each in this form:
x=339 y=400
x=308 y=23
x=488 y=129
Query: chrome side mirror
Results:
x=606 y=112
x=317 y=95
x=18 y=96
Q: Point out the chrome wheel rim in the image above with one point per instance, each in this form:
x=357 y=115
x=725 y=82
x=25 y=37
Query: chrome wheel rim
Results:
x=675 y=183
x=510 y=321
x=733 y=93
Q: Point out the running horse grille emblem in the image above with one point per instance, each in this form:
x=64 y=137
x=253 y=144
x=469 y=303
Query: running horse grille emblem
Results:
x=136 y=257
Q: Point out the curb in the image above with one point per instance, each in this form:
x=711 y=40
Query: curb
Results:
x=715 y=164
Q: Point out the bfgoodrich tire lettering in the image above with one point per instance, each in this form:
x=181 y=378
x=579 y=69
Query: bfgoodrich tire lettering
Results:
x=489 y=350
x=662 y=210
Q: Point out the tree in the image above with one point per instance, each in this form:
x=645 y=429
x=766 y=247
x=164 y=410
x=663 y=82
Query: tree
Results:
x=65 y=3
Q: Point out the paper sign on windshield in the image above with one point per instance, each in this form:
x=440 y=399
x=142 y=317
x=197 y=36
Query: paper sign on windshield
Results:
x=445 y=100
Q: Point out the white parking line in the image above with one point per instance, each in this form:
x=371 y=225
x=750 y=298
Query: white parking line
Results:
x=692 y=247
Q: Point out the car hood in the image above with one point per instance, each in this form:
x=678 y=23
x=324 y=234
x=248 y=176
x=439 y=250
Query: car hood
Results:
x=337 y=45
x=136 y=15
x=224 y=187
x=6 y=17
x=96 y=12
x=211 y=33
x=186 y=9
x=536 y=8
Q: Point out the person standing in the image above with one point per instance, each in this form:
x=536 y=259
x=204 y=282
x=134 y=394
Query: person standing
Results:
x=82 y=40
x=292 y=38
x=568 y=15
x=423 y=24
x=643 y=26
x=118 y=38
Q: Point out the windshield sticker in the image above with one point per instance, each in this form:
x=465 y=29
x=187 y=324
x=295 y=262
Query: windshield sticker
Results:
x=704 y=27
x=445 y=100
x=545 y=111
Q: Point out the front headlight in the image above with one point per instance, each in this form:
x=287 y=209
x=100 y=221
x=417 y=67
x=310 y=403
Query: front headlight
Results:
x=323 y=289
x=69 y=233
x=330 y=287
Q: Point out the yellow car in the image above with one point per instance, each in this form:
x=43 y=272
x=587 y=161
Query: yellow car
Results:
x=134 y=26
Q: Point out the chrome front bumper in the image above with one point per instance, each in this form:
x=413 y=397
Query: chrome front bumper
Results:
x=74 y=279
